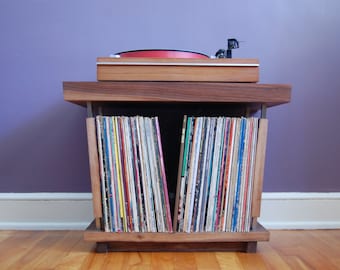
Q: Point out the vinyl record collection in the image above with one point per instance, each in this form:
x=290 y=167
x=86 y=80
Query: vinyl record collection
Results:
x=133 y=181
x=217 y=171
x=214 y=193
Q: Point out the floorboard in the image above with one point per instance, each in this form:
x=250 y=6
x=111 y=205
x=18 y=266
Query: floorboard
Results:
x=301 y=249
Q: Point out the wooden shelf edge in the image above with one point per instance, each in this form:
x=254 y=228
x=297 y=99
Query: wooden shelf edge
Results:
x=259 y=233
x=176 y=92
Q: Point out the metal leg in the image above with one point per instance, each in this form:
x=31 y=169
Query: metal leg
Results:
x=263 y=111
x=89 y=109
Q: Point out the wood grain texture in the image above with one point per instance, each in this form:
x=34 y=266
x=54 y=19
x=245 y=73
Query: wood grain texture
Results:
x=259 y=167
x=175 y=241
x=167 y=69
x=63 y=250
x=174 y=73
x=180 y=92
x=94 y=169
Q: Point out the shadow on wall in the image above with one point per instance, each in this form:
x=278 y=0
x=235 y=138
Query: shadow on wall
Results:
x=47 y=153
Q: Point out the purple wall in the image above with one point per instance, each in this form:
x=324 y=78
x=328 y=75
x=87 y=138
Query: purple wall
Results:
x=42 y=138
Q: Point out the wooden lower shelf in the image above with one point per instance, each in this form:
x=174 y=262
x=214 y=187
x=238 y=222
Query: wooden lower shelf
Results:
x=218 y=241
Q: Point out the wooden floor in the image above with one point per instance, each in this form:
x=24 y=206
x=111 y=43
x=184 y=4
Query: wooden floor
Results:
x=318 y=249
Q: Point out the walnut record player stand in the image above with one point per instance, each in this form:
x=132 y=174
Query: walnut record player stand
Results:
x=245 y=97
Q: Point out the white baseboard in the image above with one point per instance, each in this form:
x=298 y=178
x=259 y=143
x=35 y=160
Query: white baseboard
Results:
x=300 y=210
x=45 y=211
x=72 y=211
